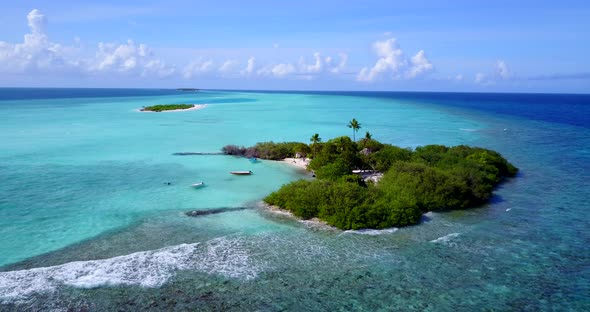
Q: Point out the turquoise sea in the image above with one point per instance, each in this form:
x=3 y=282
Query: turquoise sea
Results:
x=88 y=220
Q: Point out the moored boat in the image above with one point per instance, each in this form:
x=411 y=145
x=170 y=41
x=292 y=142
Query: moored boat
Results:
x=241 y=172
x=198 y=184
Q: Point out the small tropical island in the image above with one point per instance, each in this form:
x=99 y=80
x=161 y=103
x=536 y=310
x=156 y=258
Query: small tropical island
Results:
x=171 y=107
x=410 y=182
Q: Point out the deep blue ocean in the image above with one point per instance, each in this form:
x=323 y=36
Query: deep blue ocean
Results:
x=88 y=220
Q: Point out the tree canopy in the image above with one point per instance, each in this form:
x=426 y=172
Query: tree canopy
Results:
x=432 y=177
x=161 y=108
x=315 y=139
x=355 y=126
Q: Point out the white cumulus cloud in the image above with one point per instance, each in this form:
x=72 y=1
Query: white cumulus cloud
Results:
x=337 y=68
x=282 y=70
x=228 y=66
x=502 y=70
x=319 y=67
x=129 y=58
x=198 y=67
x=390 y=60
x=420 y=65
x=250 y=66
x=316 y=67
x=37 y=22
x=36 y=53
x=393 y=63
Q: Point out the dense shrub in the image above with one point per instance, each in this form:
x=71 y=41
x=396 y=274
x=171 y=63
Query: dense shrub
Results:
x=160 y=108
x=234 y=150
x=432 y=188
x=334 y=170
x=345 y=205
x=303 y=149
x=275 y=151
x=389 y=154
x=371 y=145
x=430 y=178
x=339 y=150
x=265 y=150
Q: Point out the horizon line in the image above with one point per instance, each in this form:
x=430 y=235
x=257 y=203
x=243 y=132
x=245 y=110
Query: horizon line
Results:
x=302 y=91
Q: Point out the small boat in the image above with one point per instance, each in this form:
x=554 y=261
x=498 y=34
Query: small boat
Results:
x=198 y=184
x=241 y=172
x=253 y=160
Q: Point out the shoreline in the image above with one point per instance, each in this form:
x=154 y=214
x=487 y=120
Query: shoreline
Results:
x=300 y=163
x=318 y=224
x=195 y=107
x=313 y=223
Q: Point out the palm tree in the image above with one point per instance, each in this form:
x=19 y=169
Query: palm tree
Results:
x=355 y=125
x=315 y=139
x=368 y=136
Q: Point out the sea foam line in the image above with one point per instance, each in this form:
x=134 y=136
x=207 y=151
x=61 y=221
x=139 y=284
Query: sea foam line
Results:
x=371 y=231
x=223 y=256
x=446 y=240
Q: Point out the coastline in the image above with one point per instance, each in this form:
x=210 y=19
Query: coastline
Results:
x=195 y=107
x=313 y=262
x=300 y=163
x=313 y=223
x=318 y=224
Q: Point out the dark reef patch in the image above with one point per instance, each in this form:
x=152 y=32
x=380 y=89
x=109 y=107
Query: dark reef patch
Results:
x=205 y=212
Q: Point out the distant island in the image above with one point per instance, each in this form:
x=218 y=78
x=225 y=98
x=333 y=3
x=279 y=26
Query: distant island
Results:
x=171 y=107
x=346 y=194
x=187 y=89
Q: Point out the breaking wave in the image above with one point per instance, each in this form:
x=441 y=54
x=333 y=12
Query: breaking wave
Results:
x=371 y=232
x=446 y=240
x=224 y=256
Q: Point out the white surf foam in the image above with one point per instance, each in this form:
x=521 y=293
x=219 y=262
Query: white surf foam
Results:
x=223 y=256
x=446 y=240
x=371 y=232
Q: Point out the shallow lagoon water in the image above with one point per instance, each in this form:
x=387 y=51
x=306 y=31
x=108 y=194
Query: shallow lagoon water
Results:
x=101 y=229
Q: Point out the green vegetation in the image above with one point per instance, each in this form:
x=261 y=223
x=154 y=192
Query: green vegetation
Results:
x=355 y=126
x=160 y=108
x=268 y=150
x=346 y=205
x=432 y=177
x=315 y=139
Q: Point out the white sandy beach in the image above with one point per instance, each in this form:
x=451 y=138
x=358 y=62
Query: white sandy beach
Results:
x=301 y=163
x=195 y=107
x=313 y=223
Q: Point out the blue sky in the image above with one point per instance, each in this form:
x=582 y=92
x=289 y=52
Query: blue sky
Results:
x=479 y=46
